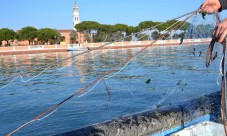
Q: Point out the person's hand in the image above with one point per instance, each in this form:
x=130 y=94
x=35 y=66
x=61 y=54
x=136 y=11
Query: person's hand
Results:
x=220 y=31
x=211 y=6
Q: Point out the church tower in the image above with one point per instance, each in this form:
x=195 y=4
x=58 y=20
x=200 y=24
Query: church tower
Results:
x=76 y=17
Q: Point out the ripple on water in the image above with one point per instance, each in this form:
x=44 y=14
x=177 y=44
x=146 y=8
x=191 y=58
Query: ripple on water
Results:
x=175 y=75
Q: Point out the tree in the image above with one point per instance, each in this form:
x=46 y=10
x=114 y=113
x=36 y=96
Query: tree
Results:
x=1 y=40
x=101 y=36
x=143 y=37
x=146 y=24
x=28 y=33
x=47 y=35
x=62 y=39
x=73 y=36
x=90 y=28
x=7 y=34
x=87 y=25
x=106 y=28
x=117 y=36
x=58 y=38
x=185 y=26
x=120 y=28
x=130 y=30
x=169 y=24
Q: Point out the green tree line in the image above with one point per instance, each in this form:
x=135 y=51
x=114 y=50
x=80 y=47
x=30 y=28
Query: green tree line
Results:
x=94 y=32
x=44 y=35
x=29 y=33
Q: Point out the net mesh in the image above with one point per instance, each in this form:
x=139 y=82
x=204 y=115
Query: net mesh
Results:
x=157 y=77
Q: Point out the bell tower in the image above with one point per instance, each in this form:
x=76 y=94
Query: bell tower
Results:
x=76 y=17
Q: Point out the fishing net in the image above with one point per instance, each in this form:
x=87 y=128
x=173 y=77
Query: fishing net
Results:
x=52 y=93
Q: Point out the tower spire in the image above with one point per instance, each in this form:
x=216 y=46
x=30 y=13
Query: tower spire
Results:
x=76 y=17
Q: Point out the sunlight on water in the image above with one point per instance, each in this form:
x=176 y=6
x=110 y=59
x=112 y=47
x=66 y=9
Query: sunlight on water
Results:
x=175 y=74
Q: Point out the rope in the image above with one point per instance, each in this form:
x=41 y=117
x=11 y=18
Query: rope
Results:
x=85 y=52
x=223 y=88
x=100 y=78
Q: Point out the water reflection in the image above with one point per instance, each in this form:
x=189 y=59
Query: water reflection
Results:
x=175 y=75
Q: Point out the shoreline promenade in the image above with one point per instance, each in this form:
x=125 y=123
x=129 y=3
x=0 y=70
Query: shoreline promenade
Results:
x=15 y=50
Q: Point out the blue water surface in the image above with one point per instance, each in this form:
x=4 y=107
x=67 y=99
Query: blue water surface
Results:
x=176 y=74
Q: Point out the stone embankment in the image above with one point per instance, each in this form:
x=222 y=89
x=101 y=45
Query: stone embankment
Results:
x=125 y=44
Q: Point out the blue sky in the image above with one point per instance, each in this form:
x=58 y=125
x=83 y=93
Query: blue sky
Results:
x=57 y=14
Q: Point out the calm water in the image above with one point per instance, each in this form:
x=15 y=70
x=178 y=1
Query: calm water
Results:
x=176 y=75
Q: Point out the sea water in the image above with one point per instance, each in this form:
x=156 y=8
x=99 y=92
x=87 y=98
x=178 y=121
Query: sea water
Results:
x=159 y=76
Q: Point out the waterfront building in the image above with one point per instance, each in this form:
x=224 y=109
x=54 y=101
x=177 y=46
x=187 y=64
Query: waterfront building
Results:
x=65 y=33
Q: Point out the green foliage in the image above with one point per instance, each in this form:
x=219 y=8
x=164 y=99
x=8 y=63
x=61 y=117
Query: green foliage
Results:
x=87 y=25
x=153 y=89
x=95 y=32
x=143 y=37
x=166 y=25
x=120 y=27
x=1 y=39
x=7 y=34
x=185 y=26
x=203 y=13
x=107 y=32
x=106 y=28
x=73 y=36
x=101 y=36
x=28 y=33
x=62 y=38
x=148 y=81
x=136 y=29
x=47 y=35
x=130 y=30
x=87 y=35
x=117 y=36
x=146 y=24
x=58 y=38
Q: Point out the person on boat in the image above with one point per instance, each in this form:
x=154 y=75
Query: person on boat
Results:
x=211 y=6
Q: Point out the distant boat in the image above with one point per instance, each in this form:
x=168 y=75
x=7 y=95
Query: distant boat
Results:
x=76 y=47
